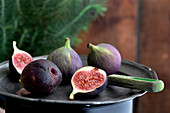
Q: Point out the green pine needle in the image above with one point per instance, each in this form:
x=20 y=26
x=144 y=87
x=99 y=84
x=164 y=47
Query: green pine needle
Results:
x=40 y=26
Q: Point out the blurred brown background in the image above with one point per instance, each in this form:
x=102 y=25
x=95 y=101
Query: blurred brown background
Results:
x=119 y=27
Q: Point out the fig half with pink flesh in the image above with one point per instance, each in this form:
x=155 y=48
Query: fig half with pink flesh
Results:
x=18 y=61
x=88 y=80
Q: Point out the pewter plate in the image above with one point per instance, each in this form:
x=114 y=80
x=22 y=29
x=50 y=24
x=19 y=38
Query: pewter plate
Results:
x=112 y=94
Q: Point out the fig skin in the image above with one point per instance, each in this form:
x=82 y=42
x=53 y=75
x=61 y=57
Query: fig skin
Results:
x=104 y=56
x=41 y=77
x=13 y=74
x=67 y=60
x=78 y=92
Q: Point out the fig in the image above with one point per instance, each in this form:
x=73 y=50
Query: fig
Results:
x=18 y=62
x=67 y=60
x=88 y=81
x=104 y=56
x=41 y=77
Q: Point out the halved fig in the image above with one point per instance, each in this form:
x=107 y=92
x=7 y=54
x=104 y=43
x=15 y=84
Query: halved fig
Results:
x=88 y=80
x=18 y=61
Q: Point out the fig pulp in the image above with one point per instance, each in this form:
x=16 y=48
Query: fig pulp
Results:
x=18 y=62
x=104 y=56
x=88 y=80
x=40 y=77
x=67 y=60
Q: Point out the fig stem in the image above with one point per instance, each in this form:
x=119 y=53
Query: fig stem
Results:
x=89 y=45
x=71 y=97
x=67 y=43
x=94 y=47
x=14 y=45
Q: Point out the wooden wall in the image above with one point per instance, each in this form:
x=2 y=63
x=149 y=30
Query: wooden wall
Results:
x=155 y=52
x=119 y=28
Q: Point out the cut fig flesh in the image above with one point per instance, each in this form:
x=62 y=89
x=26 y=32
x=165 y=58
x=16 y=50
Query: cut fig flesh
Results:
x=87 y=79
x=20 y=58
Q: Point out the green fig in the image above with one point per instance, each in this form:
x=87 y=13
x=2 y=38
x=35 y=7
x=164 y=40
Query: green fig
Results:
x=67 y=60
x=104 y=56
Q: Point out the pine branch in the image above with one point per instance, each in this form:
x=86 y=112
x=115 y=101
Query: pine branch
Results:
x=3 y=26
x=22 y=38
x=18 y=6
x=44 y=22
x=76 y=18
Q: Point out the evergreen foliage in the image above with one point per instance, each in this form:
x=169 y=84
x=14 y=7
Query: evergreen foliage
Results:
x=40 y=26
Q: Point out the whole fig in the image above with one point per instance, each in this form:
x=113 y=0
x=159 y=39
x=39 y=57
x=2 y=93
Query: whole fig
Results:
x=67 y=60
x=104 y=56
x=40 y=77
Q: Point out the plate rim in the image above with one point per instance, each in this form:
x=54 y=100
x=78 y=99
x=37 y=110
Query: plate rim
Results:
x=79 y=102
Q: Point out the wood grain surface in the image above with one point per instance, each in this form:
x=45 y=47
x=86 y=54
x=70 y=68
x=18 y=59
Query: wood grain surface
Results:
x=155 y=52
x=119 y=28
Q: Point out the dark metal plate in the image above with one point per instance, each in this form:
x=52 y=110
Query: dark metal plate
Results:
x=112 y=94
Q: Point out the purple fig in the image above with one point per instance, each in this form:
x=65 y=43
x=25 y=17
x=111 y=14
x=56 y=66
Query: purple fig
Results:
x=104 y=56
x=41 y=77
x=88 y=81
x=67 y=60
